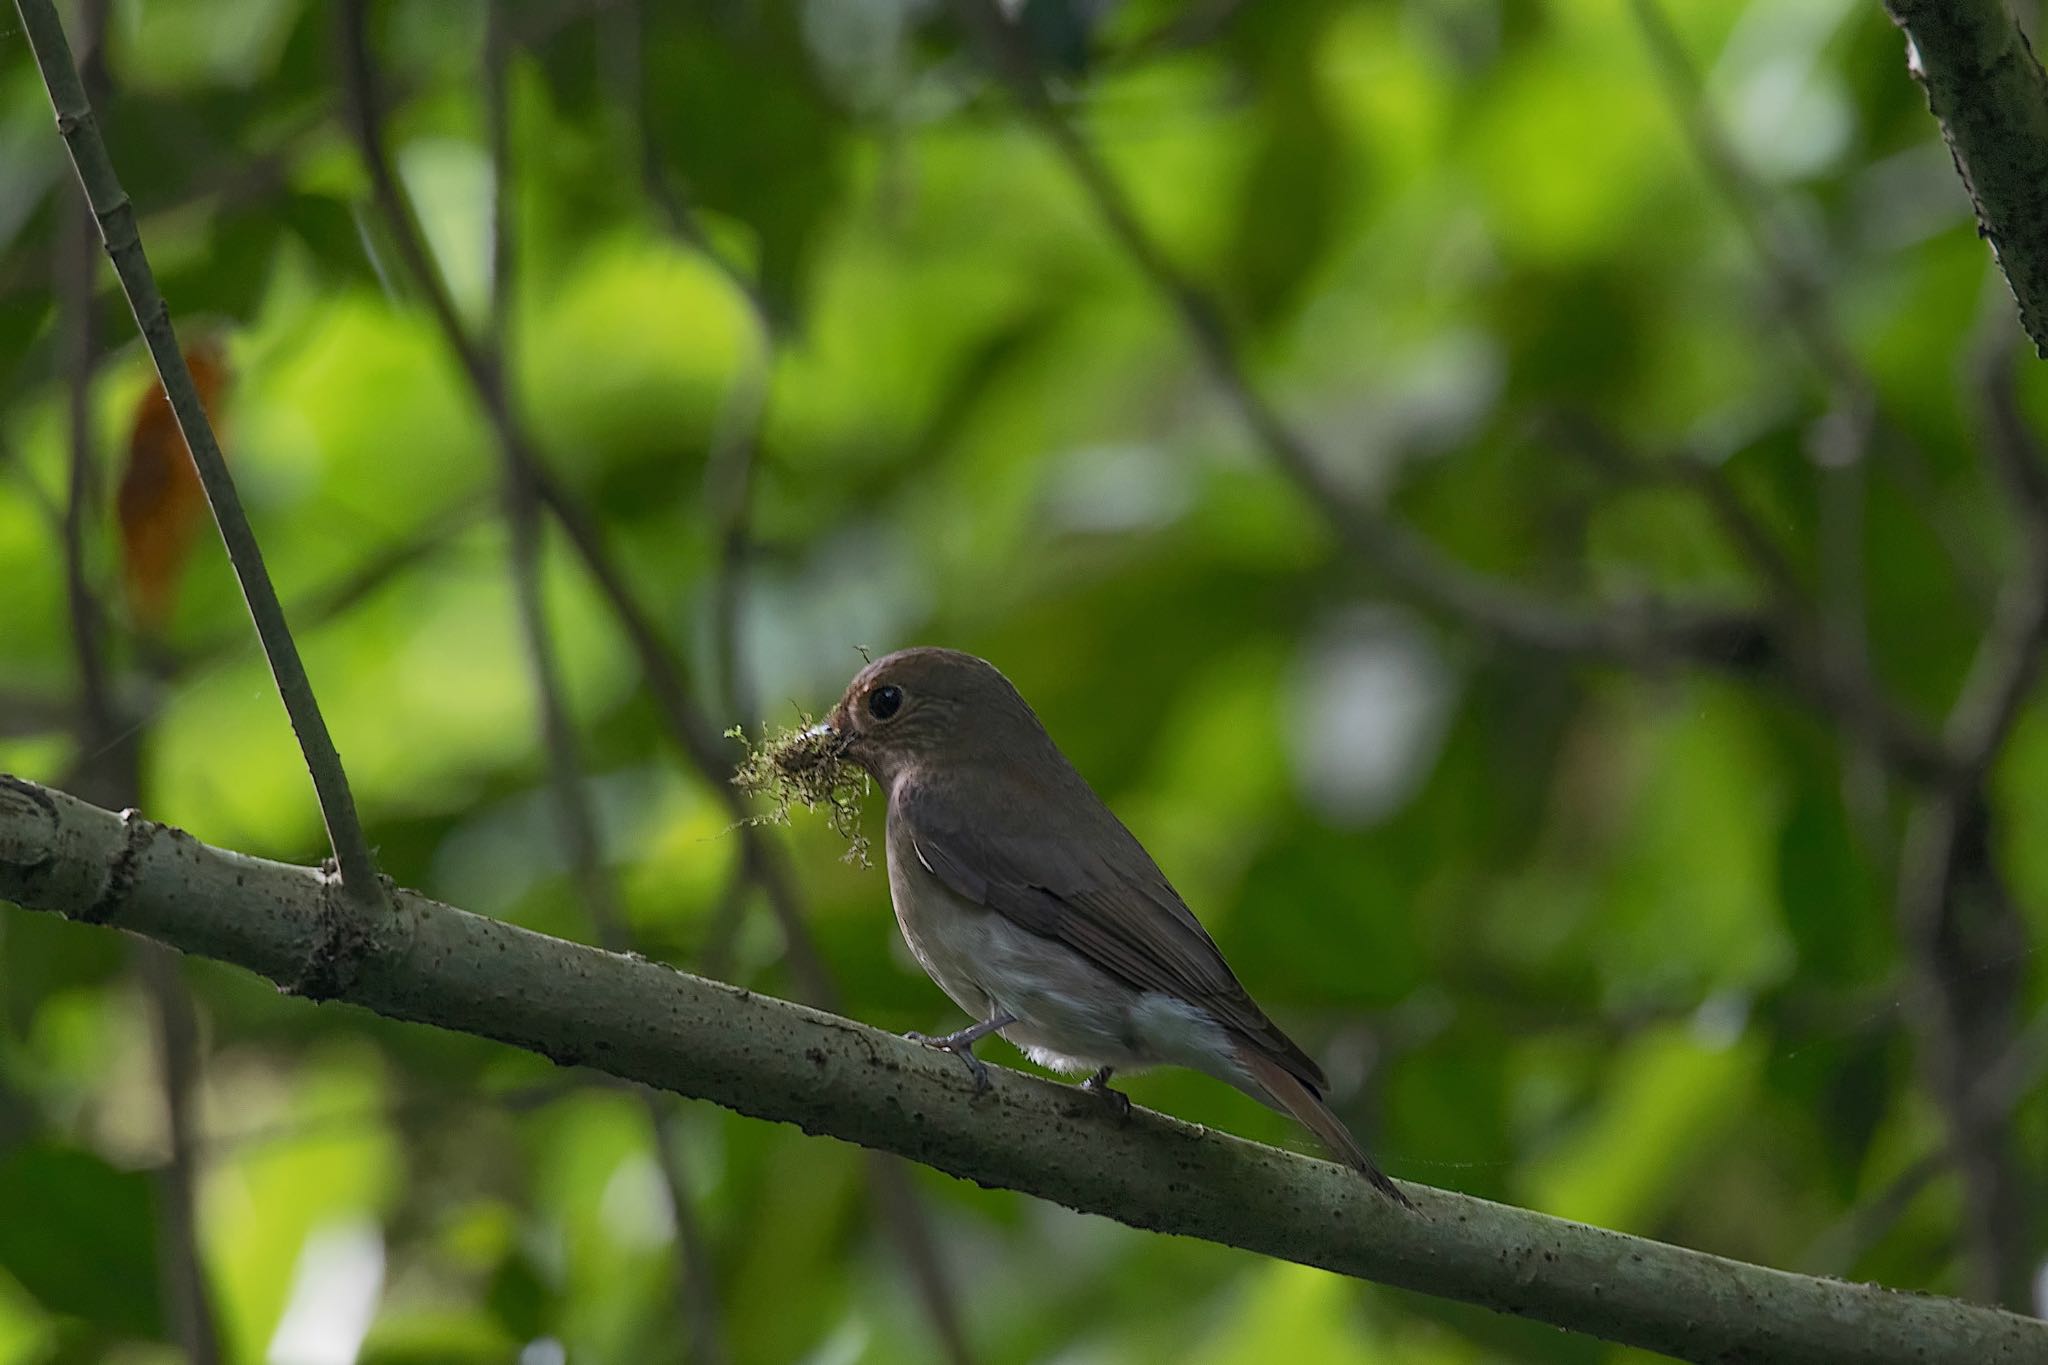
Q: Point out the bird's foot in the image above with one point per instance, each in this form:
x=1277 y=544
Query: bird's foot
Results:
x=961 y=1045
x=1118 y=1100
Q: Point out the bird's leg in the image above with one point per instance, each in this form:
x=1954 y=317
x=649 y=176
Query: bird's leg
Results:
x=1099 y=1083
x=961 y=1044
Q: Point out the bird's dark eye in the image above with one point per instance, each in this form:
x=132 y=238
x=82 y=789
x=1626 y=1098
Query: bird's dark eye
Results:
x=885 y=702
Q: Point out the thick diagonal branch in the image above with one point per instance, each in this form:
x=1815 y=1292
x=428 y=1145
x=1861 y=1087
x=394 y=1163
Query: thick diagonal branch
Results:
x=641 y=1021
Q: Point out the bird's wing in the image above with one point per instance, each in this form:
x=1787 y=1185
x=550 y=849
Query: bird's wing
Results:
x=1099 y=893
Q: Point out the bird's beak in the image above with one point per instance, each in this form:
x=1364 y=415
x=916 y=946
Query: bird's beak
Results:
x=833 y=728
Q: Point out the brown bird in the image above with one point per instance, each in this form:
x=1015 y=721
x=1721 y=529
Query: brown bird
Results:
x=1032 y=906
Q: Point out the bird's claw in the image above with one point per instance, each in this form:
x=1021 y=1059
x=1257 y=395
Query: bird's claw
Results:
x=976 y=1067
x=1118 y=1100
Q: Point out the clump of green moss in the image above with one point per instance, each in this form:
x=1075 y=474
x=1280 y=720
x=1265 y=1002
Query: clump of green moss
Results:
x=804 y=766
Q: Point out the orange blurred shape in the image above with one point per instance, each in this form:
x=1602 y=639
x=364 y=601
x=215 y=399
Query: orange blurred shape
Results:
x=162 y=506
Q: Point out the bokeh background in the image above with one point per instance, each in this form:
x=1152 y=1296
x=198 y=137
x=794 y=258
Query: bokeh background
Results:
x=1671 y=318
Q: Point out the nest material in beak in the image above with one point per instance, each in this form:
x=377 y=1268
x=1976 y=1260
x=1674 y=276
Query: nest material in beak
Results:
x=806 y=766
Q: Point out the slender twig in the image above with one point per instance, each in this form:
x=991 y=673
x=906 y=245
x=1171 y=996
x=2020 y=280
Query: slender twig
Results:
x=24 y=713
x=696 y=1289
x=1605 y=452
x=735 y=447
x=1997 y=1089
x=1966 y=943
x=1858 y=424
x=729 y=469
x=1799 y=294
x=183 y=1266
x=1965 y=936
x=2009 y=655
x=48 y=507
x=115 y=215
x=647 y=1023
x=75 y=256
x=1844 y=439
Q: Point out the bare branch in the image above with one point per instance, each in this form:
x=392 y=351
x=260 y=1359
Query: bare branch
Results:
x=1998 y=1088
x=188 y=1300
x=1988 y=93
x=1964 y=936
x=115 y=214
x=1966 y=942
x=2009 y=656
x=110 y=761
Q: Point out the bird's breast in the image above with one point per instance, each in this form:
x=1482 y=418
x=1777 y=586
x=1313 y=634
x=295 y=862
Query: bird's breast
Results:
x=949 y=936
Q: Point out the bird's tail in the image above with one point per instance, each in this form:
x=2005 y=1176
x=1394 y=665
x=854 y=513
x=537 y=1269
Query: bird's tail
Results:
x=1285 y=1091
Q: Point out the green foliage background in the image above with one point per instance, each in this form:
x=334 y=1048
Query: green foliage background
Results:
x=1620 y=944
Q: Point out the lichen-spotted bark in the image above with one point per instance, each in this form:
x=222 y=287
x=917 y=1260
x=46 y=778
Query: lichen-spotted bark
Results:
x=434 y=964
x=1986 y=89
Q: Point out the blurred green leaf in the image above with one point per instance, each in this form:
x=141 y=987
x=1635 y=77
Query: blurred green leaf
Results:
x=80 y=1237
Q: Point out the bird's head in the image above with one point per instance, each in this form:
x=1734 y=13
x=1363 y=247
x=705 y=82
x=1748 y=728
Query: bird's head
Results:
x=924 y=707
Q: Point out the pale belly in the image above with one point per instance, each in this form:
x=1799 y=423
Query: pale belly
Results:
x=1071 y=1016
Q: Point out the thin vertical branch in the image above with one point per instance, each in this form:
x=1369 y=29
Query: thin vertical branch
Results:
x=1966 y=944
x=736 y=440
x=729 y=488
x=1797 y=292
x=1839 y=1249
x=2008 y=657
x=183 y=1269
x=74 y=293
x=109 y=763
x=696 y=1287
x=115 y=214
x=729 y=494
x=1966 y=939
x=1845 y=437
